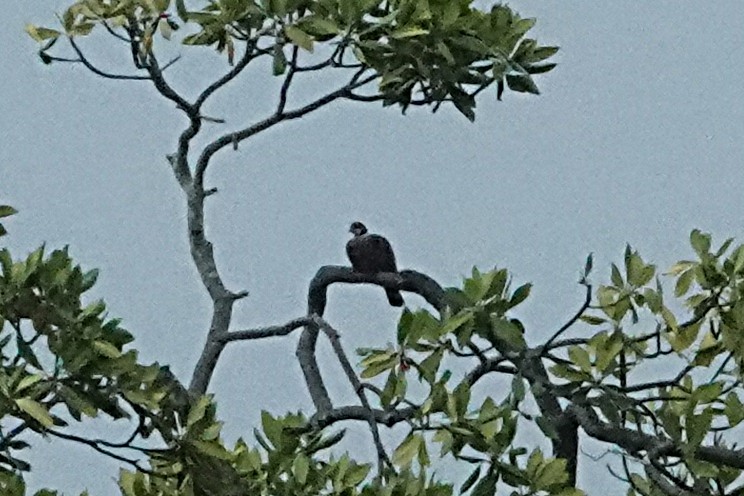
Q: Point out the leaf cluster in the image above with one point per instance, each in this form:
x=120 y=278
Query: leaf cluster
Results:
x=422 y=52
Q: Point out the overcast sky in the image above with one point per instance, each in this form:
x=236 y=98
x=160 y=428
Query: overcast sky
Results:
x=637 y=137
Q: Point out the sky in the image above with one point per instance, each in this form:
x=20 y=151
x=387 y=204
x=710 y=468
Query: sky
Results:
x=636 y=138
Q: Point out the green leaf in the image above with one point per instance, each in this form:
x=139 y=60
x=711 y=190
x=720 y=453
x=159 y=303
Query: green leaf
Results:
x=7 y=210
x=738 y=257
x=106 y=349
x=407 y=450
x=27 y=382
x=299 y=37
x=39 y=34
x=551 y=474
x=318 y=26
x=36 y=410
x=580 y=357
x=539 y=54
x=486 y=486
x=272 y=428
x=734 y=409
x=698 y=427
x=279 y=63
x=197 y=412
x=408 y=32
x=700 y=242
x=300 y=468
x=508 y=332
x=89 y=279
x=520 y=294
x=430 y=365
x=212 y=449
x=472 y=478
x=682 y=286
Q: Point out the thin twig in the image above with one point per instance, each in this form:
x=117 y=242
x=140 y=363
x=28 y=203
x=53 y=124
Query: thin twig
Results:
x=266 y=332
x=332 y=334
x=571 y=321
x=287 y=81
x=96 y=70
x=231 y=138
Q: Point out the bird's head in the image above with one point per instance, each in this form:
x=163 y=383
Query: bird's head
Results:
x=357 y=228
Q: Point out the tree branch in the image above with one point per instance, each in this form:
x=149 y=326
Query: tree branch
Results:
x=635 y=442
x=587 y=300
x=406 y=280
x=238 y=136
x=333 y=337
x=95 y=70
x=266 y=332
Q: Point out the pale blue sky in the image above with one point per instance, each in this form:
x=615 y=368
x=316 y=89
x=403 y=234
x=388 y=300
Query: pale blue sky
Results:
x=636 y=138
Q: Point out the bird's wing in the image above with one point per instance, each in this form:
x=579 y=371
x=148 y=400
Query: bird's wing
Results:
x=371 y=253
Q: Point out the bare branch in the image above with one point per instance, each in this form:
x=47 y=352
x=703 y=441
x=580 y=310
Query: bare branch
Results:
x=96 y=446
x=287 y=81
x=406 y=280
x=387 y=418
x=238 y=136
x=266 y=332
x=572 y=320
x=156 y=74
x=95 y=70
x=333 y=337
x=251 y=53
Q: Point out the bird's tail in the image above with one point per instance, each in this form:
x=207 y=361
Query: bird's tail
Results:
x=394 y=297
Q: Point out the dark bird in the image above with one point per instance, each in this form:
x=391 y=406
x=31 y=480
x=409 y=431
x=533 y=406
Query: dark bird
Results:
x=370 y=254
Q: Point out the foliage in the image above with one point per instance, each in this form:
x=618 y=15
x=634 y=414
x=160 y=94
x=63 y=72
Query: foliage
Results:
x=421 y=52
x=63 y=360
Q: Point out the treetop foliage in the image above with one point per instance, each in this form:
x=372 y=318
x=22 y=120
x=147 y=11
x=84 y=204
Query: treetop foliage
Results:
x=421 y=52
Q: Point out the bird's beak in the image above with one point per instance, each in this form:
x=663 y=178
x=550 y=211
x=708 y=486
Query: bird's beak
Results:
x=351 y=229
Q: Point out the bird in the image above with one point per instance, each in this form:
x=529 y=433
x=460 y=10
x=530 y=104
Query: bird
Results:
x=370 y=254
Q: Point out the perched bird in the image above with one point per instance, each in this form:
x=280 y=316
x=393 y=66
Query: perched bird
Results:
x=370 y=254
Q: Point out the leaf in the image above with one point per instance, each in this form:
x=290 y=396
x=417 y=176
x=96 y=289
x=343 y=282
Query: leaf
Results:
x=508 y=332
x=522 y=83
x=430 y=365
x=698 y=426
x=27 y=382
x=472 y=478
x=580 y=357
x=106 y=349
x=738 y=257
x=318 y=26
x=7 y=210
x=36 y=410
x=212 y=449
x=166 y=30
x=589 y=264
x=197 y=412
x=408 y=33
x=540 y=53
x=299 y=37
x=404 y=326
x=682 y=286
x=551 y=474
x=407 y=450
x=700 y=242
x=89 y=279
x=520 y=294
x=300 y=467
x=39 y=34
x=279 y=63
x=486 y=486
